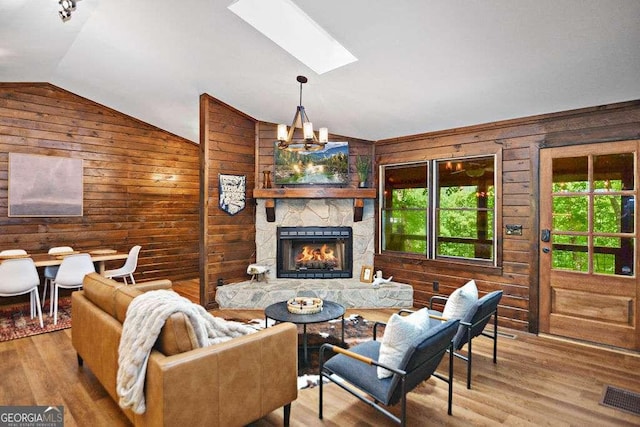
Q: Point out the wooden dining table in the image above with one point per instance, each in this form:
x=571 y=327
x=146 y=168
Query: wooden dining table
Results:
x=97 y=256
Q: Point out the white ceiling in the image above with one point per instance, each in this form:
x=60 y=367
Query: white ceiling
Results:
x=423 y=65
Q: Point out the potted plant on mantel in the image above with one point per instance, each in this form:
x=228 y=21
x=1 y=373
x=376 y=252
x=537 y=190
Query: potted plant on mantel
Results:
x=363 y=163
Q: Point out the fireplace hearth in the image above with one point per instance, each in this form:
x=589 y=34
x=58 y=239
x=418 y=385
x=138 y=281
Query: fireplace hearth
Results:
x=314 y=252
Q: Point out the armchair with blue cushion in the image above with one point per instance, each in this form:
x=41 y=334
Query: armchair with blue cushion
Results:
x=473 y=324
x=360 y=365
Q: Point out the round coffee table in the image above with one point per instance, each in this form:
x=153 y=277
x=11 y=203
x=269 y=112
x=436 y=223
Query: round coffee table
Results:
x=279 y=312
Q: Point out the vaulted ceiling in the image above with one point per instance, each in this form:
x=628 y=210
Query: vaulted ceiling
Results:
x=423 y=65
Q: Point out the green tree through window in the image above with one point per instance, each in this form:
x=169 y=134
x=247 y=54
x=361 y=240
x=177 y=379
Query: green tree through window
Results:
x=460 y=216
x=604 y=244
x=465 y=208
x=405 y=208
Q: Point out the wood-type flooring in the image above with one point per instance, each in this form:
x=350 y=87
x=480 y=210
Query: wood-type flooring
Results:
x=537 y=381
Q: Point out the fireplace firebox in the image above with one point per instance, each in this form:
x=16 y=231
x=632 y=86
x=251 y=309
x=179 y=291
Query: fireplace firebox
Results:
x=315 y=252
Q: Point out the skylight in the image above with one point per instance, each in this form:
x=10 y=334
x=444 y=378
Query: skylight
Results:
x=293 y=30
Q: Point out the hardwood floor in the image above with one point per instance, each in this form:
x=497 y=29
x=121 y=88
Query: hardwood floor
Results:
x=189 y=289
x=537 y=381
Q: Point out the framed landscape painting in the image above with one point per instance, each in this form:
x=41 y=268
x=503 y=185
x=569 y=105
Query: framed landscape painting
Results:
x=44 y=186
x=329 y=165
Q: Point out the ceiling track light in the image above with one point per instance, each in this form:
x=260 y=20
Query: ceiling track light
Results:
x=66 y=7
x=309 y=142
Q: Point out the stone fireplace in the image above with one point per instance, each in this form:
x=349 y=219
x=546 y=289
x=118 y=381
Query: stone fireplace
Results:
x=316 y=214
x=314 y=252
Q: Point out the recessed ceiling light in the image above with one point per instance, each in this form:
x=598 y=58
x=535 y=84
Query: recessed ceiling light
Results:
x=293 y=30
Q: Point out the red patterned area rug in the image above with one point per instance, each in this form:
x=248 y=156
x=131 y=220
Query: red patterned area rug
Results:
x=16 y=321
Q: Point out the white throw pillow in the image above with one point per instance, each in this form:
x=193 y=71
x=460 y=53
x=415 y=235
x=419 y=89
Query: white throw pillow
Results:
x=461 y=301
x=400 y=333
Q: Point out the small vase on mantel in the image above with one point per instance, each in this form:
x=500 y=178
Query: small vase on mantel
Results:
x=266 y=181
x=363 y=165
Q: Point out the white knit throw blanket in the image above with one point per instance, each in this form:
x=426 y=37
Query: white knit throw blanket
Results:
x=146 y=316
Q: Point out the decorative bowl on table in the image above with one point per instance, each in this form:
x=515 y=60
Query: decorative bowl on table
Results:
x=304 y=305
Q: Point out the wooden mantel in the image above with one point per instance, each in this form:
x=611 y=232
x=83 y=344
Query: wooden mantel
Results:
x=272 y=194
x=314 y=193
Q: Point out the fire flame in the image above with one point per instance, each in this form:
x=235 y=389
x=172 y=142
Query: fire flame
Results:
x=315 y=254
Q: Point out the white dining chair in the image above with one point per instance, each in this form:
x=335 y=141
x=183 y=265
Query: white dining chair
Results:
x=70 y=276
x=18 y=277
x=128 y=268
x=50 y=271
x=16 y=253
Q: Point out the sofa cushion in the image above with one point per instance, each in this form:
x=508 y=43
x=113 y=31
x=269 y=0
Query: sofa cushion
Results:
x=177 y=334
x=101 y=291
x=123 y=297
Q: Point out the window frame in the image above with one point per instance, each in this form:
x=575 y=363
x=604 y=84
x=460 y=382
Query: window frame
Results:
x=381 y=209
x=430 y=255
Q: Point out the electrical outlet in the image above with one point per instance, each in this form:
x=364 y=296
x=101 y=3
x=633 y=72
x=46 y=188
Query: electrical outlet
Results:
x=436 y=286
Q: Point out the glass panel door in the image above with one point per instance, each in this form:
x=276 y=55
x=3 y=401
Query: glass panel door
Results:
x=592 y=214
x=588 y=234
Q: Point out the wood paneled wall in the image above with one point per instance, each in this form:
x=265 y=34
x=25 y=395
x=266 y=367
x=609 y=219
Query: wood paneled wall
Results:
x=234 y=143
x=146 y=186
x=140 y=182
x=518 y=141
x=227 y=143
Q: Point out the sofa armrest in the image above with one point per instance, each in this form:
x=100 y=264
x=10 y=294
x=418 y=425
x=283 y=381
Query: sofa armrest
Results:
x=228 y=384
x=152 y=285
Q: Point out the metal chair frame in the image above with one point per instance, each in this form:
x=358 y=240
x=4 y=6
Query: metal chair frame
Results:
x=471 y=331
x=402 y=374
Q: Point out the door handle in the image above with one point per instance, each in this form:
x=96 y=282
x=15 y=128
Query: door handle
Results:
x=545 y=235
x=546 y=250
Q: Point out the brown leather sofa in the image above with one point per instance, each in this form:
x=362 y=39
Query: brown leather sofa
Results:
x=228 y=384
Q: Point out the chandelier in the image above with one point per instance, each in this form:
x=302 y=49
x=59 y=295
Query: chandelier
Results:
x=309 y=141
x=66 y=7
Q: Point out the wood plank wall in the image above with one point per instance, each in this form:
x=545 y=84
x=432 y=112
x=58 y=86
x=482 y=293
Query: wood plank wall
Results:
x=140 y=182
x=227 y=143
x=234 y=143
x=519 y=142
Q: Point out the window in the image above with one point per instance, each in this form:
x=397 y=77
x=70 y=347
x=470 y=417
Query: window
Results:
x=465 y=208
x=593 y=208
x=405 y=208
x=440 y=209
